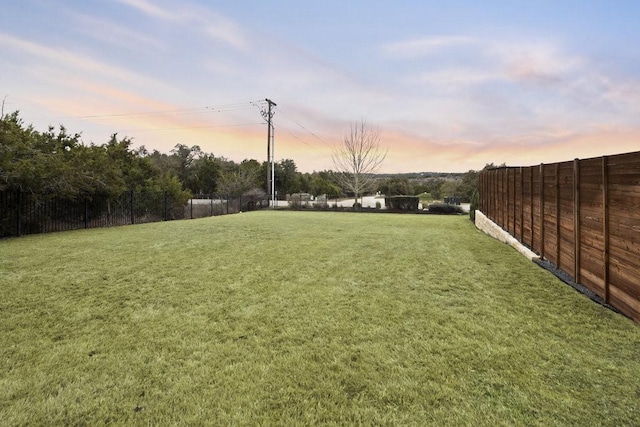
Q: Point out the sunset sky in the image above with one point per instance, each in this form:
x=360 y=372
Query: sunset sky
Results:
x=450 y=85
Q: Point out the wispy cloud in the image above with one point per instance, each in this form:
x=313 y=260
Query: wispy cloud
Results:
x=468 y=60
x=225 y=30
x=65 y=59
x=111 y=32
x=192 y=17
x=425 y=46
x=151 y=9
x=537 y=62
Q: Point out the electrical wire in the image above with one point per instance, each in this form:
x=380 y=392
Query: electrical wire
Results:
x=302 y=127
x=189 y=127
x=202 y=110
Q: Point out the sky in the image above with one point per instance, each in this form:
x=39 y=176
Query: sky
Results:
x=448 y=85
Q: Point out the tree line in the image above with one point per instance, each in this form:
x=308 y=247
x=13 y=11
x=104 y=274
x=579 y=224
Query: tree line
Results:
x=56 y=162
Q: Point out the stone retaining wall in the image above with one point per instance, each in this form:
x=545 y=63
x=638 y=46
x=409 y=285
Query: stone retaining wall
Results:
x=492 y=229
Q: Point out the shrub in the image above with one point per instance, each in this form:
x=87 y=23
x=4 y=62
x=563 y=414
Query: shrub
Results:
x=402 y=203
x=474 y=204
x=357 y=206
x=298 y=204
x=378 y=205
x=445 y=208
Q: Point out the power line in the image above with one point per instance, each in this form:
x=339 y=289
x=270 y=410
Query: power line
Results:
x=186 y=111
x=189 y=127
x=303 y=127
x=304 y=142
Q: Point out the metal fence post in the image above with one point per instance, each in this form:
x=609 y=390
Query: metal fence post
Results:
x=86 y=213
x=18 y=213
x=164 y=205
x=133 y=221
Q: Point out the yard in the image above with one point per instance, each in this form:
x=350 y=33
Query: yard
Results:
x=303 y=318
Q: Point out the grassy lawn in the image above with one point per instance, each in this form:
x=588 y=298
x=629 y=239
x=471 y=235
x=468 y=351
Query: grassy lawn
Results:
x=303 y=318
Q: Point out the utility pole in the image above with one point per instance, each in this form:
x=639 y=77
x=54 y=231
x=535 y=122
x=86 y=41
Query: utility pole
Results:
x=268 y=115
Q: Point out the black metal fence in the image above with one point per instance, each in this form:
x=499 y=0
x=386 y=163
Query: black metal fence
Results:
x=26 y=213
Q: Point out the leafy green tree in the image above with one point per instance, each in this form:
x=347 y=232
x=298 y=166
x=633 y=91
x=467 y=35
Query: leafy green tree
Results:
x=469 y=184
x=171 y=185
x=205 y=174
x=17 y=153
x=304 y=180
x=184 y=159
x=324 y=183
x=253 y=168
x=395 y=186
x=286 y=177
x=450 y=188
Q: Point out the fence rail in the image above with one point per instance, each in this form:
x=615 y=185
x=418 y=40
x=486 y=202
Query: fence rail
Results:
x=581 y=215
x=26 y=213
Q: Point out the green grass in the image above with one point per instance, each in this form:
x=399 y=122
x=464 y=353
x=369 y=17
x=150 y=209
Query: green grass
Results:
x=303 y=318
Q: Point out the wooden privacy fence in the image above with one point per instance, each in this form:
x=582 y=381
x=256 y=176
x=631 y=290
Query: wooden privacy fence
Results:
x=581 y=215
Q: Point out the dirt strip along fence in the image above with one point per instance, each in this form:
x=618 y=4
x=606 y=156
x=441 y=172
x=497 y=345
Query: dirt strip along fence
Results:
x=26 y=213
x=583 y=216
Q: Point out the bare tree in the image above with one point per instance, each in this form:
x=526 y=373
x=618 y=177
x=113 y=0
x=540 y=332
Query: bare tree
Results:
x=358 y=158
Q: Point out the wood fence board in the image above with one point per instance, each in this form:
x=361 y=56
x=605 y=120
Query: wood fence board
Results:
x=594 y=283
x=591 y=167
x=551 y=250
x=624 y=224
x=592 y=255
x=628 y=204
x=592 y=241
x=625 y=160
x=624 y=302
x=626 y=251
x=625 y=281
x=625 y=187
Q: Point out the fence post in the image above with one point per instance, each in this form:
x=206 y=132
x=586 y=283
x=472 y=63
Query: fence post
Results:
x=191 y=200
x=211 y=204
x=506 y=200
x=227 y=204
x=18 y=213
x=164 y=206
x=605 y=223
x=86 y=213
x=521 y=204
x=494 y=195
x=576 y=217
x=505 y=205
x=513 y=195
x=133 y=220
x=558 y=215
x=541 y=210
x=481 y=191
x=531 y=205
